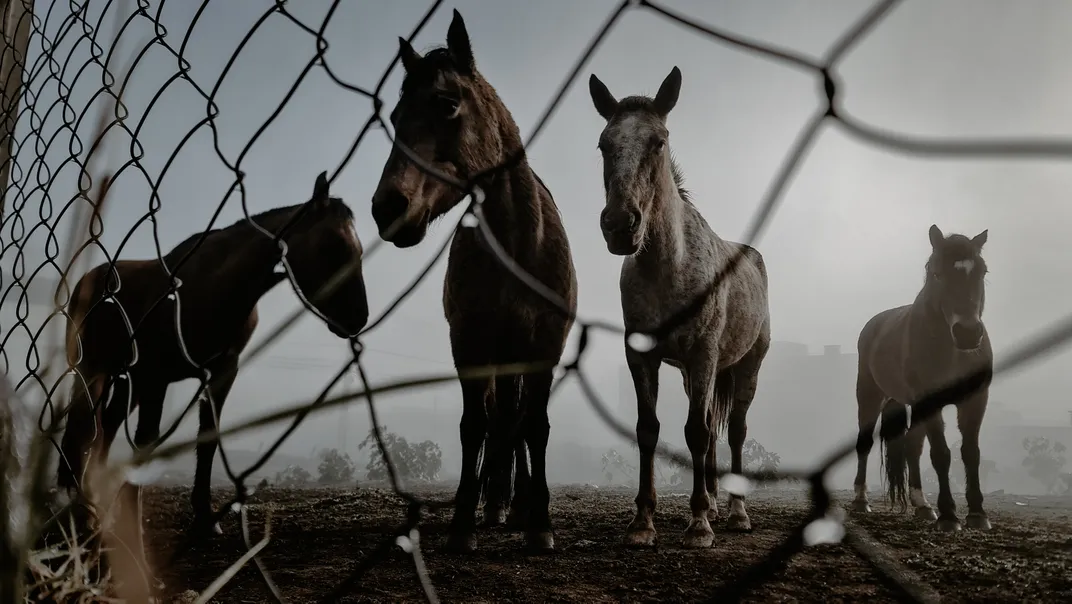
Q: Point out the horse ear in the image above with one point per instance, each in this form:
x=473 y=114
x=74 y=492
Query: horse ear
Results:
x=602 y=98
x=320 y=189
x=668 y=92
x=937 y=238
x=980 y=239
x=458 y=43
x=409 y=56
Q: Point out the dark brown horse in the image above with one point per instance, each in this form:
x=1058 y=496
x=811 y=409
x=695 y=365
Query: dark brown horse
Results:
x=910 y=351
x=453 y=119
x=207 y=324
x=670 y=256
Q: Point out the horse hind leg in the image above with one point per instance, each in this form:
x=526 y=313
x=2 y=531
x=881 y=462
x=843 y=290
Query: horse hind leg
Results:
x=495 y=463
x=869 y=400
x=519 y=505
x=698 y=430
x=914 y=452
x=743 y=382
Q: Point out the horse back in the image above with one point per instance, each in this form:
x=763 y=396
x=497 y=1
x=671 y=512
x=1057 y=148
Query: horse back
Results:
x=882 y=347
x=97 y=324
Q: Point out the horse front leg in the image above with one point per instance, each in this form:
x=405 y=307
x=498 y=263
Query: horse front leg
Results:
x=969 y=421
x=940 y=458
x=536 y=393
x=644 y=368
x=916 y=496
x=473 y=429
x=698 y=429
x=209 y=412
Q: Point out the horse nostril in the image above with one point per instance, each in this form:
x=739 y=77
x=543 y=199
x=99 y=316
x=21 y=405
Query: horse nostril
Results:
x=388 y=207
x=967 y=334
x=604 y=220
x=634 y=220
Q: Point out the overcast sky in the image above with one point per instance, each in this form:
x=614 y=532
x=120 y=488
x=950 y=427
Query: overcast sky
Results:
x=849 y=238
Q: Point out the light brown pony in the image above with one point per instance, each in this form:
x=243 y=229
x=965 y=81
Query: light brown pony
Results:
x=910 y=351
x=453 y=119
x=671 y=257
x=207 y=324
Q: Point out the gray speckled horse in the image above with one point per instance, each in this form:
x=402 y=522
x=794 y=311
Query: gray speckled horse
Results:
x=912 y=350
x=671 y=256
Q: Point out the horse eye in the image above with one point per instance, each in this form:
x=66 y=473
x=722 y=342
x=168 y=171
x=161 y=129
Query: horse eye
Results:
x=658 y=144
x=447 y=106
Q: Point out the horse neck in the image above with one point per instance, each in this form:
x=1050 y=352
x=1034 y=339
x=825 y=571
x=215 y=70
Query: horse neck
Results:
x=243 y=260
x=926 y=321
x=513 y=207
x=664 y=243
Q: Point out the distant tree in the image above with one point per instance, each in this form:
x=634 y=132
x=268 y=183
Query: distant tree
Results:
x=615 y=465
x=293 y=476
x=668 y=473
x=413 y=461
x=335 y=467
x=1045 y=462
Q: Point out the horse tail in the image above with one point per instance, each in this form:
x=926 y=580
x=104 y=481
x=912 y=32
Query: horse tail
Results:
x=501 y=437
x=723 y=401
x=894 y=426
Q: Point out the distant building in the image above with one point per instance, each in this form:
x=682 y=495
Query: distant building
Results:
x=804 y=406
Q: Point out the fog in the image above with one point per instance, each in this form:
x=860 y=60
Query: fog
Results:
x=849 y=237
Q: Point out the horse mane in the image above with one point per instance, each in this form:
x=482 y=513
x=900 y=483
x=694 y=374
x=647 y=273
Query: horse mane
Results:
x=679 y=180
x=335 y=208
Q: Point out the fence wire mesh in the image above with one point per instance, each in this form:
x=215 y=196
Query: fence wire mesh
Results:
x=35 y=127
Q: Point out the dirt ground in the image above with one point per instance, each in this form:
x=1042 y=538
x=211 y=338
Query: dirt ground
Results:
x=320 y=536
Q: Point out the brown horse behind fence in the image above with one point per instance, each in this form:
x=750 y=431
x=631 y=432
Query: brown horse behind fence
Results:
x=207 y=324
x=453 y=119
x=910 y=351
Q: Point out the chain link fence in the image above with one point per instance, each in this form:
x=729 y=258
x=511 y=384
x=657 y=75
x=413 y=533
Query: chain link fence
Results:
x=42 y=133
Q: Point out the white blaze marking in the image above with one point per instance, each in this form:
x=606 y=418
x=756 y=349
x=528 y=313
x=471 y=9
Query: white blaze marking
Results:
x=964 y=265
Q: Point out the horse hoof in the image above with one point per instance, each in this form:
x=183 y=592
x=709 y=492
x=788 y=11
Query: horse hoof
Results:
x=495 y=519
x=739 y=523
x=861 y=507
x=978 y=522
x=947 y=525
x=698 y=540
x=461 y=543
x=542 y=542
x=699 y=534
x=926 y=514
x=645 y=537
x=205 y=527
